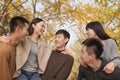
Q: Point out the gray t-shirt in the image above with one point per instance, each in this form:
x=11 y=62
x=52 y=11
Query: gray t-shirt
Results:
x=31 y=64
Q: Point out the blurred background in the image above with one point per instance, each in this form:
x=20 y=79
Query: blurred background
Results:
x=71 y=15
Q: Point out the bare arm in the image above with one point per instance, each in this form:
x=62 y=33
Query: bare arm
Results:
x=4 y=67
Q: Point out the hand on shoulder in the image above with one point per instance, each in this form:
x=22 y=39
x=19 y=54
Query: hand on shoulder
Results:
x=109 y=68
x=5 y=39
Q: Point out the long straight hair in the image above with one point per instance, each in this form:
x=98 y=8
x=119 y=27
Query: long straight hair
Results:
x=98 y=29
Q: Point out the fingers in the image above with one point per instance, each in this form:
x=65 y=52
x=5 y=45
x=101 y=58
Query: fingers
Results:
x=107 y=70
x=5 y=39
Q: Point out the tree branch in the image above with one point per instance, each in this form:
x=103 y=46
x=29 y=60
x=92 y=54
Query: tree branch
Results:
x=16 y=7
x=112 y=19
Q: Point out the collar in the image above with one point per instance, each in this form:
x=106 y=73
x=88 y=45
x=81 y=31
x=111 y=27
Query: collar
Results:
x=59 y=51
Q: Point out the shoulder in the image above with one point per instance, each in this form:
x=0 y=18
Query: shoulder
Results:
x=83 y=69
x=44 y=44
x=68 y=57
x=26 y=39
x=42 y=41
x=62 y=55
x=110 y=41
x=24 y=42
x=5 y=47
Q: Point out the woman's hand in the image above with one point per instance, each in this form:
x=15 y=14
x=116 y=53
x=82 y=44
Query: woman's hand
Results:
x=109 y=68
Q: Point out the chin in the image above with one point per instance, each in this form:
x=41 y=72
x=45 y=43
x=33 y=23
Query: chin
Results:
x=39 y=34
x=90 y=37
x=22 y=39
x=57 y=46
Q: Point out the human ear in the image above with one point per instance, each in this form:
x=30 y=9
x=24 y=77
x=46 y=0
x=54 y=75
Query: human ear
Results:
x=33 y=25
x=17 y=29
x=66 y=40
x=92 y=56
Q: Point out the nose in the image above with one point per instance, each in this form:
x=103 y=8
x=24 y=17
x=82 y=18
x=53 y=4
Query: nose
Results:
x=80 y=54
x=43 y=29
x=87 y=33
x=55 y=40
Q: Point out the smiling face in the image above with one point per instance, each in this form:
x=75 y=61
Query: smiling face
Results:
x=90 y=33
x=60 y=41
x=39 y=28
x=85 y=56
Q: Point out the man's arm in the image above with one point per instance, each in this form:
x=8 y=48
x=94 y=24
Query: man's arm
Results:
x=4 y=67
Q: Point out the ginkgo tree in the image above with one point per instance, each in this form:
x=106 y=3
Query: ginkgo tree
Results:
x=10 y=8
x=65 y=13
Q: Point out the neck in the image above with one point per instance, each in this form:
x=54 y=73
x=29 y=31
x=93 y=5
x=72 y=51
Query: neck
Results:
x=95 y=64
x=13 y=39
x=34 y=38
x=98 y=38
x=61 y=48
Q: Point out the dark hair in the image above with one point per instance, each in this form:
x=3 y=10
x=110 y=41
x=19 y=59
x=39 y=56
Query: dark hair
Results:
x=34 y=21
x=17 y=21
x=98 y=29
x=95 y=45
x=64 y=32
